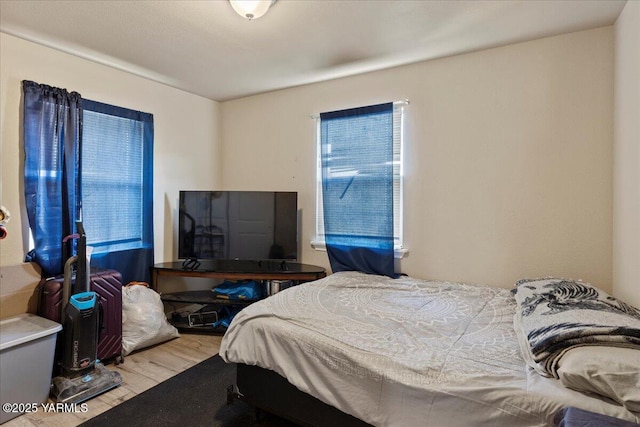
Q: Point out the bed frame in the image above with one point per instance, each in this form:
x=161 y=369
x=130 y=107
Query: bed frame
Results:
x=268 y=391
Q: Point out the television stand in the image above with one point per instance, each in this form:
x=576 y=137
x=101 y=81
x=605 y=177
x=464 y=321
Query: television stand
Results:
x=263 y=271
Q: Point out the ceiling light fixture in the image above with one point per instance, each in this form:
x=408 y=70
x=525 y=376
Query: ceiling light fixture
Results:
x=251 y=9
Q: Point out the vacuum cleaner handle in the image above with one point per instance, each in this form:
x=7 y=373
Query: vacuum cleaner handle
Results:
x=66 y=284
x=82 y=273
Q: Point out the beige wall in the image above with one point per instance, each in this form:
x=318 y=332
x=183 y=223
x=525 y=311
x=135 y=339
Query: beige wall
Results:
x=508 y=157
x=186 y=145
x=626 y=161
x=508 y=154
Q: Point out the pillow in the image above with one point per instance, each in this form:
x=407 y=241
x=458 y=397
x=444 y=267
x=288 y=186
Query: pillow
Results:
x=554 y=315
x=612 y=372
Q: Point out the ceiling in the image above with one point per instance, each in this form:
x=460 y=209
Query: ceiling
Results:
x=204 y=48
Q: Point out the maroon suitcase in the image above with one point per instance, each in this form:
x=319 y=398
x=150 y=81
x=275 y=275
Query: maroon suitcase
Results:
x=108 y=285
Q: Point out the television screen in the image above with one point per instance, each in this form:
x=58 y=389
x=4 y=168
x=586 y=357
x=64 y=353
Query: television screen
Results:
x=246 y=225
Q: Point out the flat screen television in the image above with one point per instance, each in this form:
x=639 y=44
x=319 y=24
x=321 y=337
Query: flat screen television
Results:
x=244 y=225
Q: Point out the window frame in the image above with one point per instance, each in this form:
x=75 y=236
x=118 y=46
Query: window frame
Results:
x=318 y=242
x=145 y=239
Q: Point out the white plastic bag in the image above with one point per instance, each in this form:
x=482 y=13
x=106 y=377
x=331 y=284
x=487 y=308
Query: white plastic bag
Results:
x=143 y=320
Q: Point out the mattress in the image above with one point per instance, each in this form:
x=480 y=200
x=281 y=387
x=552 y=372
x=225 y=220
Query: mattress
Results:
x=403 y=352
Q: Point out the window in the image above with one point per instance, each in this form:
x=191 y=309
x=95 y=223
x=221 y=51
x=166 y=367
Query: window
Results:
x=93 y=162
x=116 y=178
x=349 y=167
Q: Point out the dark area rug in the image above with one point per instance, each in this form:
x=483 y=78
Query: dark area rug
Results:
x=195 y=397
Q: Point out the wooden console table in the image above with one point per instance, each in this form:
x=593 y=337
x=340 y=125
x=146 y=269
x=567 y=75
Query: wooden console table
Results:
x=239 y=270
x=208 y=303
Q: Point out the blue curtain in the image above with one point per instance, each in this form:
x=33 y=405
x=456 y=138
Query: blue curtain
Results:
x=357 y=188
x=117 y=188
x=52 y=121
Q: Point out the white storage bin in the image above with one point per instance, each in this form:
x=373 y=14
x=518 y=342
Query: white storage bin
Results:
x=27 y=350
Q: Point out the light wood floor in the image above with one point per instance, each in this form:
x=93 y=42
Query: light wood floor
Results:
x=140 y=371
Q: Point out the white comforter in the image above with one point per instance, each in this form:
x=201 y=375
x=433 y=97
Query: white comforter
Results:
x=402 y=352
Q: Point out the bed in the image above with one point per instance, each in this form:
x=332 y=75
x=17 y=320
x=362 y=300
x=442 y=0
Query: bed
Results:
x=410 y=352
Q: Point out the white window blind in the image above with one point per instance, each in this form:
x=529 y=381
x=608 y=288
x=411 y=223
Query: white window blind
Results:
x=351 y=170
x=115 y=171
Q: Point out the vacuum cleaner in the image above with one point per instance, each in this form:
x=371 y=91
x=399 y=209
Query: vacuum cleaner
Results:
x=82 y=375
